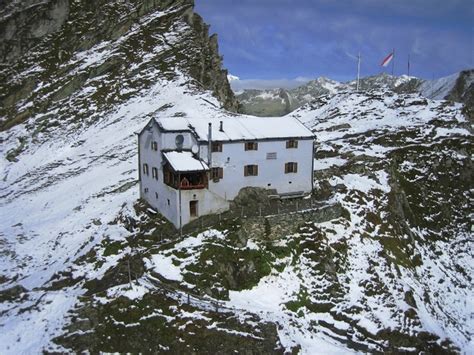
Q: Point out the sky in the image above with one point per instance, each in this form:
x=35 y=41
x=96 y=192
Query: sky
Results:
x=283 y=43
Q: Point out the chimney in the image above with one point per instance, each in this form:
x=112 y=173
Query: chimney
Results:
x=221 y=127
x=209 y=148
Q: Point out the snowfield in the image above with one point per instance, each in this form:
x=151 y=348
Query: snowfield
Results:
x=59 y=198
x=65 y=190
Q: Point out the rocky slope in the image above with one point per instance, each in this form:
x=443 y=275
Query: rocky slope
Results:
x=391 y=273
x=278 y=102
x=71 y=100
x=114 y=49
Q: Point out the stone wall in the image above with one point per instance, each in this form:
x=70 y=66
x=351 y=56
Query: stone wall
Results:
x=278 y=226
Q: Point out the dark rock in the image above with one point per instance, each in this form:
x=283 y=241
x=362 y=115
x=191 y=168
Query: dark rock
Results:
x=14 y=293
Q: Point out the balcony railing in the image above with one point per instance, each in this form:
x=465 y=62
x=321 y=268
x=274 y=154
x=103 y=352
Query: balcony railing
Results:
x=191 y=186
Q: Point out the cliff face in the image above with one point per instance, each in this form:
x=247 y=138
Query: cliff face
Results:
x=45 y=59
x=463 y=91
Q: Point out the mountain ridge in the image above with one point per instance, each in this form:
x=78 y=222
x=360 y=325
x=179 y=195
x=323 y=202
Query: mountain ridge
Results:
x=280 y=101
x=61 y=61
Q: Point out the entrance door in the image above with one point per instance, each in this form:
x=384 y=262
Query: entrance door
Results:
x=193 y=208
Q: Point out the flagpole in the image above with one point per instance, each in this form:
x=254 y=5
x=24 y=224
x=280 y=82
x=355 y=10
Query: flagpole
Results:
x=358 y=71
x=393 y=60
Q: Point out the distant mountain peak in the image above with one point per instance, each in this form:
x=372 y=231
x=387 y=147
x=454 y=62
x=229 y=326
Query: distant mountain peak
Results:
x=457 y=87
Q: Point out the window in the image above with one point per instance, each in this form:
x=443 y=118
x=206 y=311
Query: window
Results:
x=251 y=146
x=291 y=167
x=217 y=174
x=271 y=156
x=156 y=195
x=145 y=169
x=291 y=144
x=146 y=190
x=154 y=145
x=154 y=173
x=216 y=147
x=250 y=170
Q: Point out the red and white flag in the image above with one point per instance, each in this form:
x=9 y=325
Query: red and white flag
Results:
x=387 y=60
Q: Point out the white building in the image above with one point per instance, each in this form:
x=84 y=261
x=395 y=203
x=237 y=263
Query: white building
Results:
x=191 y=167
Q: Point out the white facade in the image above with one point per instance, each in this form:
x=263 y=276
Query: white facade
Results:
x=177 y=178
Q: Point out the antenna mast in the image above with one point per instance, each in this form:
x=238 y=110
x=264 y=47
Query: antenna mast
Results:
x=393 y=60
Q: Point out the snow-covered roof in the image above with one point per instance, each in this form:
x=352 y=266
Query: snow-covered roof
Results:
x=184 y=161
x=238 y=128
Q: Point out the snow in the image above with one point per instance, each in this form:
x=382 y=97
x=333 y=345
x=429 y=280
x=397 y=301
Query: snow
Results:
x=377 y=121
x=268 y=300
x=252 y=245
x=231 y=78
x=269 y=295
x=184 y=161
x=164 y=266
x=326 y=163
x=238 y=127
x=135 y=291
x=163 y=262
x=446 y=132
x=59 y=199
x=438 y=89
x=363 y=183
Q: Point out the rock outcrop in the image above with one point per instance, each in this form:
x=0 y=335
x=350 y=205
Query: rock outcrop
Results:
x=49 y=50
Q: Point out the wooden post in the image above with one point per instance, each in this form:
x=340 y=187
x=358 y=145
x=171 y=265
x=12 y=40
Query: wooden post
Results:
x=129 y=272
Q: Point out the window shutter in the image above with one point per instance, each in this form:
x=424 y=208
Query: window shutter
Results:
x=221 y=173
x=287 y=146
x=295 y=170
x=256 y=170
x=246 y=170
